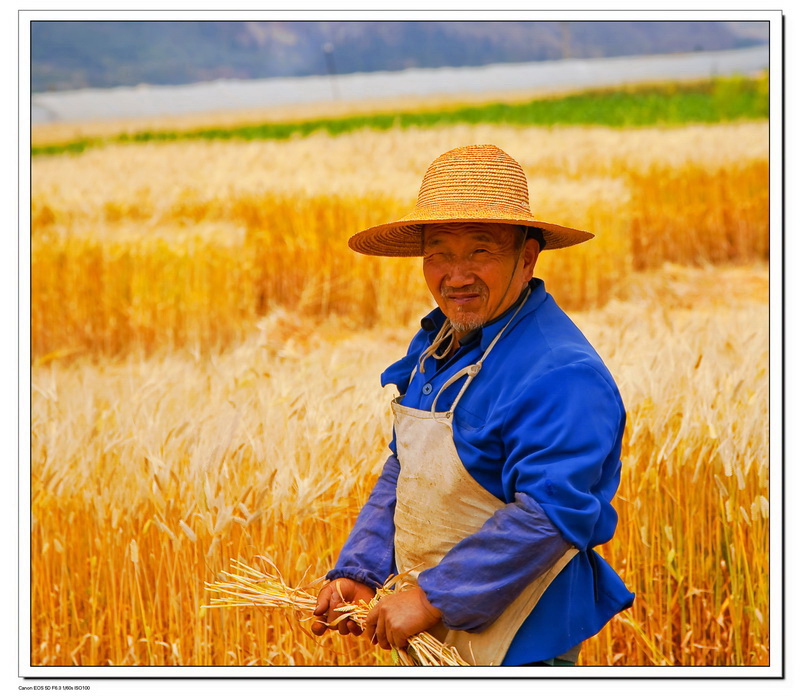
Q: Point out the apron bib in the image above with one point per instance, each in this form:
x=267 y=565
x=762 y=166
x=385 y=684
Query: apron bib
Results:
x=439 y=503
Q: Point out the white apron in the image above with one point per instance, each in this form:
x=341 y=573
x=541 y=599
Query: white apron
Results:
x=439 y=503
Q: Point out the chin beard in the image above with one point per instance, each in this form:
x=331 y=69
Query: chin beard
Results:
x=467 y=321
x=467 y=325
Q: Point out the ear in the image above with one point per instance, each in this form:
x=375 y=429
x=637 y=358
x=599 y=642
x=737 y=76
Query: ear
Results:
x=529 y=256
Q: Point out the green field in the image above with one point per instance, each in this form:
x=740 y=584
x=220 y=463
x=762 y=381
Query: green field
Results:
x=711 y=101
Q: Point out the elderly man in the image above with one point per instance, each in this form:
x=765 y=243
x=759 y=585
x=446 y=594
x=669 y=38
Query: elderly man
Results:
x=506 y=447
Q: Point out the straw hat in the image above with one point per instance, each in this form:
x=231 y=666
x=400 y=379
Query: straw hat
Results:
x=472 y=183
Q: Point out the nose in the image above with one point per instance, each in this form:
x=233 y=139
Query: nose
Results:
x=460 y=273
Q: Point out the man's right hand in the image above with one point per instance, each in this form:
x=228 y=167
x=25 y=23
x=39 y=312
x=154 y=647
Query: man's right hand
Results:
x=337 y=593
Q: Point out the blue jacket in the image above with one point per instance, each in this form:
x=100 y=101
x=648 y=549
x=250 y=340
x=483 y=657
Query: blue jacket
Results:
x=541 y=429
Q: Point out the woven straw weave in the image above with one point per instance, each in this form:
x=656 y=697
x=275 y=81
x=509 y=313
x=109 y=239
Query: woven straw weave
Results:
x=472 y=183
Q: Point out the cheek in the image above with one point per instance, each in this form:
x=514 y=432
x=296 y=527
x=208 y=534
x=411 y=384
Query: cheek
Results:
x=492 y=276
x=433 y=278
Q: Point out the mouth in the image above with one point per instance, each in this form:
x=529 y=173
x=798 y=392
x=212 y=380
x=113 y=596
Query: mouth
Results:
x=462 y=299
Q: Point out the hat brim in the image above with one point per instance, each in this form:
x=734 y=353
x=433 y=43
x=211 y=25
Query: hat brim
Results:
x=403 y=238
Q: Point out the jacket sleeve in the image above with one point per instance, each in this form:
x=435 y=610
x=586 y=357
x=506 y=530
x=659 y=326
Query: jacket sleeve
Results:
x=368 y=554
x=485 y=572
x=561 y=435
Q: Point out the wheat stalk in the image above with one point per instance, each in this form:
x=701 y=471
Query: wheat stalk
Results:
x=249 y=587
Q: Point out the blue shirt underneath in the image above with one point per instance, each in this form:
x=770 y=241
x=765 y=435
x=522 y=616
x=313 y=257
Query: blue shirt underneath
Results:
x=540 y=428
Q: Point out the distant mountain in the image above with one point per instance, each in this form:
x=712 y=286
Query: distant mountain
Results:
x=72 y=55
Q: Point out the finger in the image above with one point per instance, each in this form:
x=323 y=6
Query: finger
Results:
x=321 y=610
x=370 y=624
x=323 y=600
x=398 y=639
x=381 y=632
x=389 y=636
x=393 y=636
x=336 y=601
x=343 y=628
x=319 y=627
x=355 y=629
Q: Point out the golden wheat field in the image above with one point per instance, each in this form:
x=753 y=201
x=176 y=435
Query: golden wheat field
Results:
x=205 y=361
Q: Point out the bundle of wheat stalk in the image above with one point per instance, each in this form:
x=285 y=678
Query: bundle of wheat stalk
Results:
x=248 y=587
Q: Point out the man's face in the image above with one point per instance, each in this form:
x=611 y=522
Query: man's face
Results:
x=476 y=271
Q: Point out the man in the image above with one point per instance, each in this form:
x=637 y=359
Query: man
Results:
x=506 y=448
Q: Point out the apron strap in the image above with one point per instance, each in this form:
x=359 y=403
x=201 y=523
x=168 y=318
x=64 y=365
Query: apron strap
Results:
x=470 y=371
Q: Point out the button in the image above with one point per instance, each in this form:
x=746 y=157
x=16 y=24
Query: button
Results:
x=427 y=388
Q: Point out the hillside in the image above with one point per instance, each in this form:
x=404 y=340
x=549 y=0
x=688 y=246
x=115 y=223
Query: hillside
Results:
x=74 y=55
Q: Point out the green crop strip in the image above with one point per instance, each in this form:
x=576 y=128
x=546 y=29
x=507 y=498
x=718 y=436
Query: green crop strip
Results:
x=669 y=104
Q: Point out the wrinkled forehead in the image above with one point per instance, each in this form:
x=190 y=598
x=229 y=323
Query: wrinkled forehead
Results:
x=502 y=233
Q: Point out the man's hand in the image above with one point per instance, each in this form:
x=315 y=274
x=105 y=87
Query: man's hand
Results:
x=338 y=593
x=398 y=616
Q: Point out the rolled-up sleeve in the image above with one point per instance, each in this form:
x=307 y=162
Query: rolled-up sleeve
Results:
x=561 y=434
x=368 y=554
x=482 y=574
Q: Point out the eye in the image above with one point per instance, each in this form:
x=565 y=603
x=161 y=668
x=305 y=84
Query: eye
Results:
x=433 y=259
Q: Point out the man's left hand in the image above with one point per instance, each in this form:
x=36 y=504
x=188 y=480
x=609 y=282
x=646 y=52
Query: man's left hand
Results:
x=398 y=616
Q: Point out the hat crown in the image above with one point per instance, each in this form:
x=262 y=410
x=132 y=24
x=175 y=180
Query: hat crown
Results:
x=475 y=177
x=471 y=183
